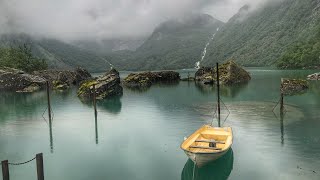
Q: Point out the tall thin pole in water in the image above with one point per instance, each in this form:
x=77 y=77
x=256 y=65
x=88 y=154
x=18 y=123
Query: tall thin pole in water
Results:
x=49 y=105
x=50 y=117
x=218 y=94
x=95 y=112
x=94 y=100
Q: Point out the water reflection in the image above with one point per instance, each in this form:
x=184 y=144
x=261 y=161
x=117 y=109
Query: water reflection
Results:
x=51 y=137
x=146 y=88
x=112 y=105
x=96 y=127
x=226 y=91
x=65 y=94
x=217 y=170
x=21 y=104
x=282 y=127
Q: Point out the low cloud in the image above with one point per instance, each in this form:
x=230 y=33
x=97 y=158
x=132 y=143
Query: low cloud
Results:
x=104 y=19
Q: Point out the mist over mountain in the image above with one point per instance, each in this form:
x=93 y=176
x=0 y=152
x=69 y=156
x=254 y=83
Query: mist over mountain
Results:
x=174 y=44
x=148 y=35
x=262 y=36
x=103 y=47
x=59 y=55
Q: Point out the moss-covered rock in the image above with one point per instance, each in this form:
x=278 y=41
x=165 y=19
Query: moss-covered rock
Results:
x=60 y=85
x=146 y=79
x=293 y=86
x=106 y=86
x=229 y=73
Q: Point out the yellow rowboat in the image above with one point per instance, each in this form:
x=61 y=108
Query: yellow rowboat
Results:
x=207 y=144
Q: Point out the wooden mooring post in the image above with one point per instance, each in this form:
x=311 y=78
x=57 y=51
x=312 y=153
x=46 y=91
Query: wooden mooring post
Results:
x=49 y=104
x=94 y=100
x=95 y=113
x=5 y=170
x=40 y=171
x=50 y=117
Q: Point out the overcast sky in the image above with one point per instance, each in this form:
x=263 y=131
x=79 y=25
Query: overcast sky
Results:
x=104 y=19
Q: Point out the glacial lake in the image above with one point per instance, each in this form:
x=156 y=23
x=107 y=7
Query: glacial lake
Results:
x=138 y=136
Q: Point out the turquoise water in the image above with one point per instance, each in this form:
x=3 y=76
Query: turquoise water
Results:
x=138 y=135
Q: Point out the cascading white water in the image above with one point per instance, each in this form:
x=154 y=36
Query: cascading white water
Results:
x=204 y=52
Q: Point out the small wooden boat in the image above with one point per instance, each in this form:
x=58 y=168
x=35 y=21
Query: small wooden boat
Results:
x=207 y=144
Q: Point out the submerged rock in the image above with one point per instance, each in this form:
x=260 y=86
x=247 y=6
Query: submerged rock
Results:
x=293 y=86
x=106 y=86
x=229 y=72
x=19 y=81
x=315 y=76
x=146 y=79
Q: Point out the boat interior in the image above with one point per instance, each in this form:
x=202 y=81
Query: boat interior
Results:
x=208 y=139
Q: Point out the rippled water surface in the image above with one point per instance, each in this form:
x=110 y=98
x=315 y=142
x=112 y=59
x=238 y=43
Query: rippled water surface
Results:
x=138 y=135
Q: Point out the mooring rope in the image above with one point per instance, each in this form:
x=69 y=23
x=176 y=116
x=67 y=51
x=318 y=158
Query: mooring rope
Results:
x=44 y=117
x=215 y=112
x=214 y=115
x=284 y=108
x=17 y=164
x=227 y=110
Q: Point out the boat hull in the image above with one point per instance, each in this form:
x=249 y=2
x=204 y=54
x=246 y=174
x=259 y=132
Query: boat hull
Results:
x=201 y=159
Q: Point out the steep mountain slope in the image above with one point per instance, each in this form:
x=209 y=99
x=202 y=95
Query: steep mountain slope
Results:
x=174 y=44
x=105 y=46
x=260 y=37
x=58 y=54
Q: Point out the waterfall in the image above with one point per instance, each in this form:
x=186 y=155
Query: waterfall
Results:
x=204 y=52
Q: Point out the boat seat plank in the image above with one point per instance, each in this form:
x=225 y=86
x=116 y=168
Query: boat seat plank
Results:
x=203 y=147
x=210 y=141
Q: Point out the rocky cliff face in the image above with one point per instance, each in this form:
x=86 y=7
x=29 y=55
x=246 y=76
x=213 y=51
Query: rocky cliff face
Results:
x=106 y=86
x=229 y=73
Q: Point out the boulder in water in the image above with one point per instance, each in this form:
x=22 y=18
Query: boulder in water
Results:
x=146 y=79
x=293 y=86
x=106 y=86
x=65 y=77
x=229 y=72
x=16 y=80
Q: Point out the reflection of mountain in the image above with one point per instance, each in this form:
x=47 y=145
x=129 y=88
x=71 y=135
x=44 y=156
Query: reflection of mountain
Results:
x=226 y=91
x=112 y=105
x=21 y=104
x=217 y=170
